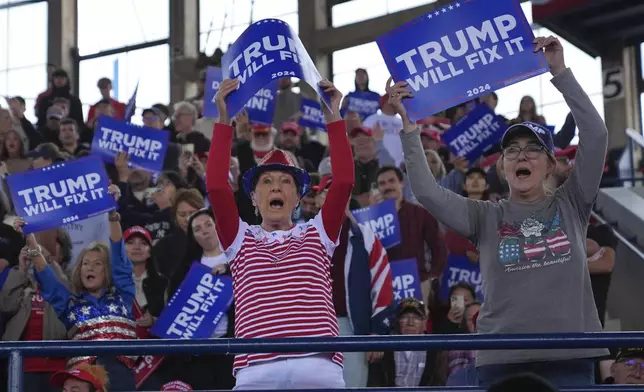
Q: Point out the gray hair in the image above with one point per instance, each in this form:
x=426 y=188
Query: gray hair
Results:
x=442 y=172
x=185 y=106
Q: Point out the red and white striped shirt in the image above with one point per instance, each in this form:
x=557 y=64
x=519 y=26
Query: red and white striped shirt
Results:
x=282 y=286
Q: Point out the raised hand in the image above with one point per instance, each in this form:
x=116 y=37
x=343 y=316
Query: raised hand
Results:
x=225 y=87
x=115 y=191
x=333 y=114
x=397 y=92
x=378 y=132
x=553 y=51
x=219 y=269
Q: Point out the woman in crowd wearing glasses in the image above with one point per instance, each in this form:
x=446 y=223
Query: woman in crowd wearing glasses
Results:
x=532 y=246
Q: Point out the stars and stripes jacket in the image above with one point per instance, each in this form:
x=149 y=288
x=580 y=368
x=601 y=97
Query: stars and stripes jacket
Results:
x=367 y=265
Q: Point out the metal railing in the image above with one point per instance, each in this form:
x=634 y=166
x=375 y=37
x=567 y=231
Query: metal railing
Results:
x=16 y=351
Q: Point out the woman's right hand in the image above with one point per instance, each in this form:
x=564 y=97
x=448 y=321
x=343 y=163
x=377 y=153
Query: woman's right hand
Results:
x=397 y=92
x=219 y=269
x=225 y=88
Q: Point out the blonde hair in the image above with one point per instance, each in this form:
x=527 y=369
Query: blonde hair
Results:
x=441 y=168
x=97 y=371
x=104 y=250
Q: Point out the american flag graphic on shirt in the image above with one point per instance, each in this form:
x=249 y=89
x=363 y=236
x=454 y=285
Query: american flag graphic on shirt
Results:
x=532 y=241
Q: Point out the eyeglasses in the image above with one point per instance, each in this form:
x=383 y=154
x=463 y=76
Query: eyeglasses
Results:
x=411 y=318
x=531 y=151
x=633 y=364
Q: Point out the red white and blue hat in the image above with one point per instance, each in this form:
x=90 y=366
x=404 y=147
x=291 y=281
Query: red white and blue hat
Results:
x=277 y=160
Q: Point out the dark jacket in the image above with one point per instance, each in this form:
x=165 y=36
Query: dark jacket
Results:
x=169 y=251
x=154 y=288
x=383 y=373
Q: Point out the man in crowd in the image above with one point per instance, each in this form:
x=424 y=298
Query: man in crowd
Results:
x=105 y=87
x=69 y=137
x=17 y=106
x=49 y=131
x=628 y=367
x=366 y=163
x=60 y=88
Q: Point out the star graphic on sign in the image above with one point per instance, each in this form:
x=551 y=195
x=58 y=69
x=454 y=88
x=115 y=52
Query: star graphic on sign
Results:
x=113 y=308
x=85 y=310
x=444 y=10
x=437 y=13
x=451 y=7
x=429 y=16
x=457 y=5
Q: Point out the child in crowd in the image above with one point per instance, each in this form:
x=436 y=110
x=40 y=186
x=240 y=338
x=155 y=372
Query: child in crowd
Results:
x=82 y=378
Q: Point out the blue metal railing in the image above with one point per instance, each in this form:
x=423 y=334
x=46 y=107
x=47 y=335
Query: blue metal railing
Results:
x=17 y=350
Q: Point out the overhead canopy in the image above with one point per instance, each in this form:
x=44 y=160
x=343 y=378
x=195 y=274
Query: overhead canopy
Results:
x=592 y=25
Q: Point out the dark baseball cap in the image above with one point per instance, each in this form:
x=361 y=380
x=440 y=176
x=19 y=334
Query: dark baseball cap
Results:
x=162 y=108
x=46 y=151
x=541 y=133
x=411 y=304
x=151 y=110
x=476 y=169
x=628 y=353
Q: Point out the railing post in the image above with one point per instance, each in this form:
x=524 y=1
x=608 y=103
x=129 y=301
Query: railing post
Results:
x=15 y=372
x=631 y=150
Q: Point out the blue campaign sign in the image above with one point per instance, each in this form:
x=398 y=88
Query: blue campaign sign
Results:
x=382 y=219
x=406 y=279
x=365 y=103
x=61 y=193
x=461 y=269
x=197 y=307
x=261 y=107
x=146 y=146
x=311 y=114
x=551 y=128
x=475 y=133
x=213 y=78
x=267 y=50
x=459 y=52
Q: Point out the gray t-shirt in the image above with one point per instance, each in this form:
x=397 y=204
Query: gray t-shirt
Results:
x=533 y=258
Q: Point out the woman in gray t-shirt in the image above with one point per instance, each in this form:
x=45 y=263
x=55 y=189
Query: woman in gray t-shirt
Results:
x=532 y=246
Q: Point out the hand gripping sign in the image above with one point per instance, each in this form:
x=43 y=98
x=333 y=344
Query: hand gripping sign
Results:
x=61 y=193
x=459 y=52
x=267 y=50
x=146 y=146
x=260 y=108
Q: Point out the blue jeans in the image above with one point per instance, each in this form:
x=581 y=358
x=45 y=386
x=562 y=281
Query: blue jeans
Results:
x=569 y=373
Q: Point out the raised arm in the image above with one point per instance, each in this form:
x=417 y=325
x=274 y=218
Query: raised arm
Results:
x=121 y=266
x=342 y=167
x=449 y=208
x=220 y=194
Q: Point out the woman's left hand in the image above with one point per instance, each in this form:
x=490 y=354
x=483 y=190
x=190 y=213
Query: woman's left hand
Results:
x=553 y=50
x=115 y=191
x=332 y=114
x=145 y=321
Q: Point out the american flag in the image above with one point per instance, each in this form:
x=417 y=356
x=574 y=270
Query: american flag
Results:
x=558 y=242
x=535 y=249
x=131 y=105
x=509 y=251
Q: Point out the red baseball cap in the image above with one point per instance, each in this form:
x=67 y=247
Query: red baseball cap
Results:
x=290 y=126
x=137 y=230
x=434 y=135
x=176 y=386
x=366 y=131
x=260 y=128
x=58 y=379
x=568 y=152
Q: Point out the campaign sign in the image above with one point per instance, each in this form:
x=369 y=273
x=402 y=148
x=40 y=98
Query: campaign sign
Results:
x=551 y=128
x=461 y=269
x=61 y=193
x=365 y=103
x=382 y=219
x=459 y=52
x=261 y=107
x=475 y=133
x=267 y=50
x=213 y=78
x=146 y=146
x=406 y=279
x=197 y=307
x=312 y=115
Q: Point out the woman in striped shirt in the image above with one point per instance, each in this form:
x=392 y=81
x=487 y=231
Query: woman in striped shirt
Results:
x=281 y=270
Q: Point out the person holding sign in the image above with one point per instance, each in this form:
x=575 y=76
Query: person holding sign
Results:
x=99 y=304
x=281 y=270
x=532 y=246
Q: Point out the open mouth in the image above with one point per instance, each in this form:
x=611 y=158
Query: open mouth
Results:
x=523 y=173
x=276 y=204
x=90 y=277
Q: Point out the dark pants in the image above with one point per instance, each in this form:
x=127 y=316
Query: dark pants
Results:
x=203 y=372
x=37 y=382
x=121 y=377
x=570 y=373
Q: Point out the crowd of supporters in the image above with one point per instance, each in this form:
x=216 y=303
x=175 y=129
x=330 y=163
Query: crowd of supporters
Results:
x=132 y=261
